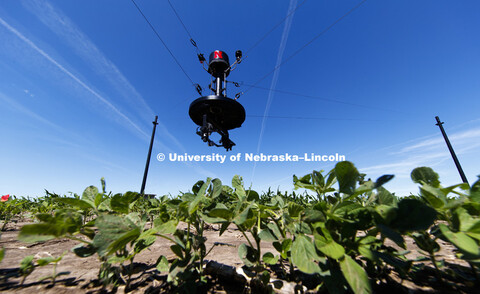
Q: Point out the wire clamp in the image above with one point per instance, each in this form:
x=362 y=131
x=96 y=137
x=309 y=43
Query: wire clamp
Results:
x=199 y=89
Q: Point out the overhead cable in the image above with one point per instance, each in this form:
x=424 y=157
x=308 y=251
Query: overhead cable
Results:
x=320 y=118
x=237 y=84
x=164 y=44
x=272 y=29
x=186 y=30
x=308 y=43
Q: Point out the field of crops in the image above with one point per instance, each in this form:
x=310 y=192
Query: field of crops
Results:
x=343 y=234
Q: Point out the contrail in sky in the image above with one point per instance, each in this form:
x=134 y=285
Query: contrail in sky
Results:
x=271 y=93
x=75 y=78
x=69 y=33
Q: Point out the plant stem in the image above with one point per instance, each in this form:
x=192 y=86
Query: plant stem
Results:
x=54 y=273
x=245 y=235
x=77 y=239
x=437 y=270
x=130 y=270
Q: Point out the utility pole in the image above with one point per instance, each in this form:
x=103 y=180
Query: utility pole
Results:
x=142 y=190
x=450 y=148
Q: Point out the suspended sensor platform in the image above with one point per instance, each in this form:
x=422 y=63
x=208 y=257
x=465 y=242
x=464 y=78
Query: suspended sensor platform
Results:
x=217 y=113
x=223 y=112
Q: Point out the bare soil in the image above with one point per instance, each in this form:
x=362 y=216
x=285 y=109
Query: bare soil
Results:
x=81 y=273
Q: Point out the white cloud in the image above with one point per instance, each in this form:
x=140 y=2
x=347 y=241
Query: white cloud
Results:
x=26 y=91
x=461 y=138
x=102 y=99
x=271 y=93
x=17 y=106
x=428 y=151
x=86 y=49
x=68 y=32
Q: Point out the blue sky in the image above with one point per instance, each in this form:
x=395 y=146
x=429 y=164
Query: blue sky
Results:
x=81 y=82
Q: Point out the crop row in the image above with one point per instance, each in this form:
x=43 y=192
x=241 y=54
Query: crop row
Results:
x=335 y=234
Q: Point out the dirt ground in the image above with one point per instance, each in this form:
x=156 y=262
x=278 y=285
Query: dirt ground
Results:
x=82 y=271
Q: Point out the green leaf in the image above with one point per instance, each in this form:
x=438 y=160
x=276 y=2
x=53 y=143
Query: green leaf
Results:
x=105 y=205
x=475 y=236
x=385 y=197
x=386 y=213
x=217 y=188
x=26 y=265
x=162 y=264
x=475 y=227
x=168 y=227
x=284 y=247
x=144 y=242
x=345 y=207
x=45 y=261
x=197 y=186
x=304 y=182
x=475 y=192
x=76 y=203
x=425 y=175
x=267 y=236
x=211 y=220
x=89 y=194
x=118 y=259
x=355 y=275
x=394 y=261
x=64 y=222
x=2 y=254
x=237 y=183
x=177 y=249
x=318 y=179
x=122 y=240
x=463 y=220
x=383 y=180
x=413 y=215
x=98 y=199
x=364 y=188
x=425 y=243
x=462 y=241
x=313 y=216
x=450 y=189
x=434 y=196
x=37 y=233
x=330 y=248
x=243 y=216
x=247 y=254
x=136 y=218
x=304 y=255
x=347 y=176
x=392 y=235
x=120 y=203
x=331 y=179
x=223 y=213
x=131 y=197
x=365 y=251
x=270 y=259
x=195 y=204
x=295 y=209
x=252 y=195
x=84 y=251
x=104 y=185
x=275 y=230
x=204 y=188
x=110 y=229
